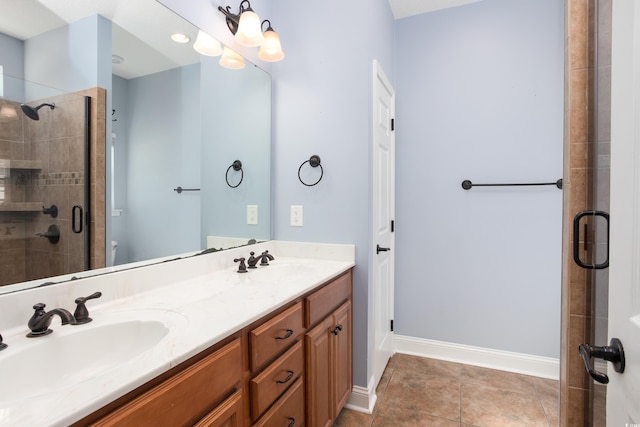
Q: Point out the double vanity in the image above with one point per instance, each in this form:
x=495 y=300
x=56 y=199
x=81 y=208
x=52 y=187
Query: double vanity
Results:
x=188 y=342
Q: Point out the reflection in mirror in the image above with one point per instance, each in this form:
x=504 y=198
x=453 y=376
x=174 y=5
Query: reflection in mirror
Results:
x=174 y=119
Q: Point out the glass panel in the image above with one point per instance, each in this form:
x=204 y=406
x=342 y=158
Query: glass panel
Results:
x=43 y=150
x=600 y=194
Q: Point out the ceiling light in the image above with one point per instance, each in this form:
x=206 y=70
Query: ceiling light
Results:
x=180 y=38
x=207 y=45
x=117 y=59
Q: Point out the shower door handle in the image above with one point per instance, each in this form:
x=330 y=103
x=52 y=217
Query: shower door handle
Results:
x=576 y=239
x=77 y=226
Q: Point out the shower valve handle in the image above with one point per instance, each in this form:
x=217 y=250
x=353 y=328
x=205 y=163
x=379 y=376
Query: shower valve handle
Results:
x=53 y=211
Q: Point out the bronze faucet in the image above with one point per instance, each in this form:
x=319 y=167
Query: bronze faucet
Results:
x=264 y=259
x=40 y=321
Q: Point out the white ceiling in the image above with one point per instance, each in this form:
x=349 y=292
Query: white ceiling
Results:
x=142 y=27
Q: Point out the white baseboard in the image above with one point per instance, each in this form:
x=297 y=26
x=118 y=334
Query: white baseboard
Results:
x=363 y=399
x=538 y=366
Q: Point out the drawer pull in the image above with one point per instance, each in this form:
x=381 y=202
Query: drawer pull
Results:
x=292 y=421
x=287 y=335
x=337 y=330
x=286 y=380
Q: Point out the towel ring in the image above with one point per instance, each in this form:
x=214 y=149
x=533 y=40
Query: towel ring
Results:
x=237 y=166
x=314 y=162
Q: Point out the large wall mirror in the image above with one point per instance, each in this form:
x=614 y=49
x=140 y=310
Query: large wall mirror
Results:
x=173 y=119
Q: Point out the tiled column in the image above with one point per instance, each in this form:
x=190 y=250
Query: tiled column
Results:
x=578 y=138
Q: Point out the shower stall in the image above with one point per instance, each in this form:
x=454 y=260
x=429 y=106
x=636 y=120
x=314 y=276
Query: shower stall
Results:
x=44 y=181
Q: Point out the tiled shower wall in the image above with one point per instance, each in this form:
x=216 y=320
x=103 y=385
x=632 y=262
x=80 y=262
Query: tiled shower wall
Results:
x=585 y=159
x=50 y=155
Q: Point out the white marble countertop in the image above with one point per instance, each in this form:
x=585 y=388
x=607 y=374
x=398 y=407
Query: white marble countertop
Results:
x=201 y=300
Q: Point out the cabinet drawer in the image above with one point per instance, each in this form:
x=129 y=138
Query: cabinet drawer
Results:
x=319 y=304
x=275 y=335
x=187 y=396
x=288 y=411
x=227 y=414
x=275 y=379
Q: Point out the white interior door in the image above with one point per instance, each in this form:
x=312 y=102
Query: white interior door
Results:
x=623 y=391
x=383 y=214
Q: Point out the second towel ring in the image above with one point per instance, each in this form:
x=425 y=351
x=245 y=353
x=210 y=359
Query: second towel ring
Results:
x=237 y=166
x=314 y=162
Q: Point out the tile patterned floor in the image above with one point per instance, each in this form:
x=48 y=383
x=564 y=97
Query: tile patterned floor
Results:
x=416 y=391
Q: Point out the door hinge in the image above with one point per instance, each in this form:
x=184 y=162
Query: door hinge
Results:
x=393 y=124
x=393 y=225
x=391 y=325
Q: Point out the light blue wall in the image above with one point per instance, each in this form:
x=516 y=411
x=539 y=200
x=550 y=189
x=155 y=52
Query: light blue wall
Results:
x=12 y=61
x=322 y=105
x=71 y=58
x=121 y=129
x=236 y=125
x=163 y=149
x=480 y=97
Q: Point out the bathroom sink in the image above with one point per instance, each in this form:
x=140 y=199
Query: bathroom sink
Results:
x=73 y=354
x=275 y=273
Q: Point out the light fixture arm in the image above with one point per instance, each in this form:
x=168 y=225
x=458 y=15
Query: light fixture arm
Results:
x=232 y=19
x=268 y=26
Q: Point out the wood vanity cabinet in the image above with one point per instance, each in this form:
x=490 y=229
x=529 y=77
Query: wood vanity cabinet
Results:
x=328 y=352
x=291 y=368
x=207 y=392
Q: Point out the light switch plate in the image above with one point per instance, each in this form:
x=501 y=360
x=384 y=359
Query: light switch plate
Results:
x=252 y=214
x=296 y=215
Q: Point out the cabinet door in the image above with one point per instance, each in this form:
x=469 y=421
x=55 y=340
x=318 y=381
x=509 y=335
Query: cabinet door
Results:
x=187 y=396
x=227 y=414
x=318 y=375
x=341 y=342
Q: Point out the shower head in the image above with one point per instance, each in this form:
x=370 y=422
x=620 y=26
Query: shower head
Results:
x=32 y=112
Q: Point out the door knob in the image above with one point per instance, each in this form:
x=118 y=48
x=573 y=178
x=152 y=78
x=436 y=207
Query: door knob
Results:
x=380 y=249
x=614 y=353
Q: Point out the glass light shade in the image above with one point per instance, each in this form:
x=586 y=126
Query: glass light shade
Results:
x=231 y=59
x=249 y=29
x=270 y=49
x=207 y=45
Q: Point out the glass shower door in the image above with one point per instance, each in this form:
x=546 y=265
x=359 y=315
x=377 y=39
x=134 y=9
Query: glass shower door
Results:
x=44 y=182
x=600 y=197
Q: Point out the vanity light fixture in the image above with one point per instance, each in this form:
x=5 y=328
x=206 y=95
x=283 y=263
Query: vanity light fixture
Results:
x=247 y=30
x=207 y=45
x=231 y=59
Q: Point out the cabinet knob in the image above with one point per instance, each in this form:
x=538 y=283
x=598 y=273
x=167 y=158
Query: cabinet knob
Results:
x=292 y=422
x=337 y=330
